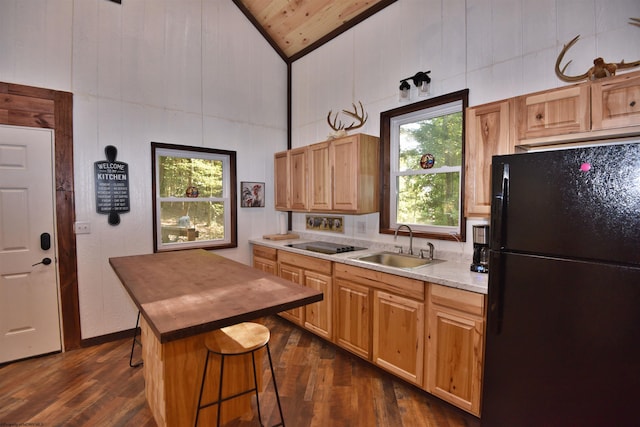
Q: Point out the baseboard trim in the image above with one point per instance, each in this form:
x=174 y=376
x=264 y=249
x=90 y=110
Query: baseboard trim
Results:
x=102 y=339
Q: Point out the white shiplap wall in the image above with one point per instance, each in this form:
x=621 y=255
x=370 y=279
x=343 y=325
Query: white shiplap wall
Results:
x=190 y=72
x=496 y=48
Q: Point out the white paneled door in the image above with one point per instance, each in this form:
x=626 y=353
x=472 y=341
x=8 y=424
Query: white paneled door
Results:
x=29 y=314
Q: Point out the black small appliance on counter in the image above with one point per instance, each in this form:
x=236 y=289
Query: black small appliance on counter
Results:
x=480 y=249
x=325 y=247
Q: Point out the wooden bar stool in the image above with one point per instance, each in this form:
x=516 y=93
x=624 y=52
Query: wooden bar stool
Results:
x=237 y=340
x=133 y=344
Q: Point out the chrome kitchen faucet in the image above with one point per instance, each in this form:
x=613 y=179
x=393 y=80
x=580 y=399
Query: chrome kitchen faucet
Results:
x=410 y=236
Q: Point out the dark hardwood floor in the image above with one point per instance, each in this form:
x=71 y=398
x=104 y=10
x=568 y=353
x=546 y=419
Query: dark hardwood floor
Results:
x=319 y=384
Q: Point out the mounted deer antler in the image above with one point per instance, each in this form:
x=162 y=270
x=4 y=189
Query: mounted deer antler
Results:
x=600 y=68
x=338 y=127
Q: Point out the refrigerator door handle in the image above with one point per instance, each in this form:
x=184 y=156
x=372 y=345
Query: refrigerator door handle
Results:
x=496 y=293
x=499 y=211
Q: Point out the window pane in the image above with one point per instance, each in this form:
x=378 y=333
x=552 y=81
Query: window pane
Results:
x=440 y=136
x=431 y=199
x=177 y=174
x=191 y=221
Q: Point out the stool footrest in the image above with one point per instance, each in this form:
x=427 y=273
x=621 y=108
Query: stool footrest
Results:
x=206 y=405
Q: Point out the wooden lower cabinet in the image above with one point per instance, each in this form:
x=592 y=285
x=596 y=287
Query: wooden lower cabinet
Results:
x=296 y=275
x=398 y=335
x=455 y=346
x=315 y=273
x=352 y=311
x=265 y=259
x=318 y=314
x=427 y=334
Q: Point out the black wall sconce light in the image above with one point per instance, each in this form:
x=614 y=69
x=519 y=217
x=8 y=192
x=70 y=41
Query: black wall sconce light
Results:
x=421 y=81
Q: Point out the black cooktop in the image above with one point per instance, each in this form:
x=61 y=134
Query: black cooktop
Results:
x=325 y=247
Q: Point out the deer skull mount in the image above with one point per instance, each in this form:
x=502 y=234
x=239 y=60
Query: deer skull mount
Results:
x=339 y=129
x=600 y=68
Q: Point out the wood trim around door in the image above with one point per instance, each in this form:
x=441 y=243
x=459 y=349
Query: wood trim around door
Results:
x=45 y=108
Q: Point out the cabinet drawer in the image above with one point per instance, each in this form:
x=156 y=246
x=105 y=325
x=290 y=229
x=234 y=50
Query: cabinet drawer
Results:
x=466 y=301
x=306 y=262
x=265 y=252
x=404 y=286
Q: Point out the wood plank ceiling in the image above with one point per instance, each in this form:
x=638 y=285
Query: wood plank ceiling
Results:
x=296 y=27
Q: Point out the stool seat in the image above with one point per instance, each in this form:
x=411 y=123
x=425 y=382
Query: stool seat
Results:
x=238 y=339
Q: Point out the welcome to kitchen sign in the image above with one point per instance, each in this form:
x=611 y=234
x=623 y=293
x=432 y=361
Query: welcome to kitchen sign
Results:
x=112 y=186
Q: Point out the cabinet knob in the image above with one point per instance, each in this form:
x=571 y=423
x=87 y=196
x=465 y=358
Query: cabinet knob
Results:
x=539 y=116
x=632 y=104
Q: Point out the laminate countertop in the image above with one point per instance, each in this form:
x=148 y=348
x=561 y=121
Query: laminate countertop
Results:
x=185 y=293
x=454 y=274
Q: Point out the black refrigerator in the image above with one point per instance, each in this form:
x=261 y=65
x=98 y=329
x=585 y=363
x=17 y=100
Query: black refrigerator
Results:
x=563 y=322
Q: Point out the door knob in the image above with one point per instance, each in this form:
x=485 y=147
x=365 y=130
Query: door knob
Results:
x=45 y=261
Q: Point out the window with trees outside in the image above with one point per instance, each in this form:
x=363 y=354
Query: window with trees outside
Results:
x=194 y=197
x=423 y=167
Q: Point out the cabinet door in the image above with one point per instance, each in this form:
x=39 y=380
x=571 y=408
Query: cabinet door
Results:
x=353 y=313
x=345 y=169
x=488 y=133
x=266 y=265
x=455 y=346
x=296 y=275
x=264 y=258
x=298 y=178
x=615 y=102
x=398 y=335
x=319 y=177
x=281 y=180
x=455 y=349
x=554 y=112
x=318 y=314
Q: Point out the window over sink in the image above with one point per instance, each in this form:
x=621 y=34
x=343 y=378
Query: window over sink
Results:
x=423 y=167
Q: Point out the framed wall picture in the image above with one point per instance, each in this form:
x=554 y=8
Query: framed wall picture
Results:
x=251 y=194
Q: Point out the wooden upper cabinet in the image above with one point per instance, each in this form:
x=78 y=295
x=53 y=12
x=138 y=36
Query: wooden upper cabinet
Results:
x=615 y=102
x=298 y=178
x=281 y=180
x=340 y=175
x=488 y=133
x=290 y=178
x=553 y=112
x=320 y=181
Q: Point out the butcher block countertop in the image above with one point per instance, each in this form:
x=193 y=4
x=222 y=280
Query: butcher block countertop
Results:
x=185 y=293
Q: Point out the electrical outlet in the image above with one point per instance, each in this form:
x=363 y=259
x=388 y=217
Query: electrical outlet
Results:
x=362 y=227
x=81 y=227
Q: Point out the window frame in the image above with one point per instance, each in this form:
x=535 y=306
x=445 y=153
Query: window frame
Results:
x=387 y=181
x=229 y=197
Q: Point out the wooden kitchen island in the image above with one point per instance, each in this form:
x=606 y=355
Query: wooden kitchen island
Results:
x=183 y=296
